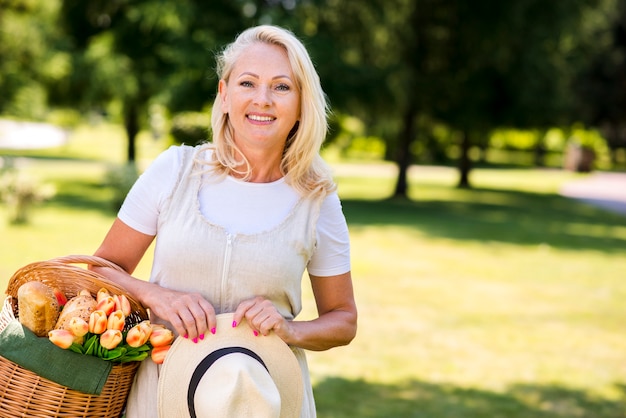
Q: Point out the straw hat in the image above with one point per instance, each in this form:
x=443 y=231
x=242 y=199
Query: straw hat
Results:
x=230 y=374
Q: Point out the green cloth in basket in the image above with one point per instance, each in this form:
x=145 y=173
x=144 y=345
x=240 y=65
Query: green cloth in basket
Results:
x=87 y=374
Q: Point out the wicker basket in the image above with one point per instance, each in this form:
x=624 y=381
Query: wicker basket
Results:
x=24 y=393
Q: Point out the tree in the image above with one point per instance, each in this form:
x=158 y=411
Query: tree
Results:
x=601 y=83
x=473 y=66
x=361 y=61
x=31 y=56
x=135 y=52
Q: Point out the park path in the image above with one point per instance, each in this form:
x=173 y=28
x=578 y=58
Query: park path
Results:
x=30 y=135
x=603 y=189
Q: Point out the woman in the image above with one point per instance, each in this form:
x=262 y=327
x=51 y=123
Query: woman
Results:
x=241 y=218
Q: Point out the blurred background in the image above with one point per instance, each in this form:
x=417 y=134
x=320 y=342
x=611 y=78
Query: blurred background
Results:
x=429 y=81
x=460 y=131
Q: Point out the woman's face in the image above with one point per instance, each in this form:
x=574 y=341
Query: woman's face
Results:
x=261 y=98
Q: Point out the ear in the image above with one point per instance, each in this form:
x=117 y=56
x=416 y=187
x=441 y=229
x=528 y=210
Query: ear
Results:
x=222 y=89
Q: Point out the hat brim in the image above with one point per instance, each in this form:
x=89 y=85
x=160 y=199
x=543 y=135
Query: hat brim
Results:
x=184 y=357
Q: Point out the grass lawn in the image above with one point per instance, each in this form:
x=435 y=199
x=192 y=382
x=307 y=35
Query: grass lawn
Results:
x=489 y=303
x=502 y=301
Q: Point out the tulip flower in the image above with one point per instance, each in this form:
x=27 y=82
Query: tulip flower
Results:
x=78 y=326
x=111 y=339
x=97 y=322
x=137 y=336
x=158 y=354
x=106 y=304
x=102 y=294
x=146 y=326
x=161 y=336
x=117 y=321
x=122 y=304
x=61 y=338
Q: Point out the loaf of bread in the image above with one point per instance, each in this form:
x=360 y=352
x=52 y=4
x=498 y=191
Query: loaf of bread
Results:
x=81 y=305
x=38 y=308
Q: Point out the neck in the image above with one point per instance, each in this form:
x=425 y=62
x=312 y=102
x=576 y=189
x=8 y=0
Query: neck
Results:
x=260 y=176
x=263 y=170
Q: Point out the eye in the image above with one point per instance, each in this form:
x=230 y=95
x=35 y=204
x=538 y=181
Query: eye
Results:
x=283 y=87
x=246 y=84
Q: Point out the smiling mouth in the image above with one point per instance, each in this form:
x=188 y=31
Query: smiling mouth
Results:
x=258 y=118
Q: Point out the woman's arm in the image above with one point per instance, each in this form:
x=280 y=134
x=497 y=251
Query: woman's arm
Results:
x=189 y=313
x=125 y=247
x=336 y=323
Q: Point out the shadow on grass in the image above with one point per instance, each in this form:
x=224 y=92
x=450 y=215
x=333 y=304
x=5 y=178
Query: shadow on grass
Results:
x=339 y=398
x=52 y=155
x=497 y=215
x=83 y=195
x=479 y=215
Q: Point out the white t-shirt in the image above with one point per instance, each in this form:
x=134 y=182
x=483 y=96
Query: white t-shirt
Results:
x=237 y=206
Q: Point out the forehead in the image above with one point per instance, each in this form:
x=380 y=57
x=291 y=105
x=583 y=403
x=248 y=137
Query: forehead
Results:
x=263 y=58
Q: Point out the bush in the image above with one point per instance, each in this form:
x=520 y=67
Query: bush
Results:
x=121 y=178
x=20 y=193
x=64 y=118
x=191 y=128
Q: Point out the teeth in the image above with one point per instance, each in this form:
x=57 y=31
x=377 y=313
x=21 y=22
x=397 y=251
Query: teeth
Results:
x=261 y=118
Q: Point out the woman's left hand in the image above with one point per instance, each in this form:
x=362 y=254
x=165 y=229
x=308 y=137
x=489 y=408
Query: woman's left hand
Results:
x=263 y=317
x=335 y=325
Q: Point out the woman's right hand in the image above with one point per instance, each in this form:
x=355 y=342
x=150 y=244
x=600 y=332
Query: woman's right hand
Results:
x=191 y=315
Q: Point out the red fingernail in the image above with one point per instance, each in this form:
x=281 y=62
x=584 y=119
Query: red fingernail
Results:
x=256 y=333
x=186 y=336
x=202 y=336
x=195 y=340
x=212 y=330
x=234 y=324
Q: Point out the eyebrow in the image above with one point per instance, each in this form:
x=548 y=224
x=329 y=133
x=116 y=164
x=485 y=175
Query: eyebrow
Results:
x=248 y=73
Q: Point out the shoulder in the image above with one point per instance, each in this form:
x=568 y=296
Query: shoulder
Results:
x=178 y=153
x=331 y=203
x=170 y=157
x=177 y=156
x=331 y=217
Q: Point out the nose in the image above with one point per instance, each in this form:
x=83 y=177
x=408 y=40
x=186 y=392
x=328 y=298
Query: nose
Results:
x=263 y=96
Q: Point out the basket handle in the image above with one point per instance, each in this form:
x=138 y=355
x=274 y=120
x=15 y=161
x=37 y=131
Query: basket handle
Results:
x=87 y=259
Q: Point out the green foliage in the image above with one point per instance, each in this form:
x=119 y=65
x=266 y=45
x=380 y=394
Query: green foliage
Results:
x=512 y=139
x=64 y=117
x=29 y=102
x=32 y=56
x=191 y=128
x=349 y=140
x=600 y=84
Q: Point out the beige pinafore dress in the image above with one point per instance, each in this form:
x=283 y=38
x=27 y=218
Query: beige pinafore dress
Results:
x=226 y=268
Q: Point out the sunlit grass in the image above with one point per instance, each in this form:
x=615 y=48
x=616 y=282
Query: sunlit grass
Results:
x=500 y=301
x=76 y=219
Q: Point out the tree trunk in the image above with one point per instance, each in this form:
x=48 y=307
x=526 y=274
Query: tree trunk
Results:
x=131 y=124
x=540 y=150
x=465 y=164
x=403 y=154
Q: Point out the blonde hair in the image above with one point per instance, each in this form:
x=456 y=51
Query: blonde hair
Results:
x=301 y=163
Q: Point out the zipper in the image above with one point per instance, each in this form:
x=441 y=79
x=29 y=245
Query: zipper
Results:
x=226 y=267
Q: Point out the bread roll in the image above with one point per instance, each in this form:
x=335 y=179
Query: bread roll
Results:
x=38 y=307
x=81 y=306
